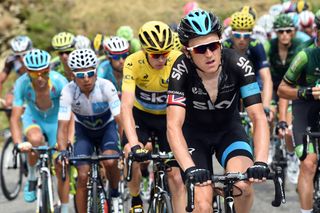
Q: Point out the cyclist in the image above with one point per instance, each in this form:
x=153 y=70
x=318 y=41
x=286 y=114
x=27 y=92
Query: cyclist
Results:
x=144 y=93
x=96 y=106
x=242 y=25
x=202 y=113
x=306 y=22
x=299 y=85
x=313 y=42
x=280 y=52
x=116 y=50
x=40 y=89
x=20 y=45
x=82 y=42
x=126 y=32
x=63 y=43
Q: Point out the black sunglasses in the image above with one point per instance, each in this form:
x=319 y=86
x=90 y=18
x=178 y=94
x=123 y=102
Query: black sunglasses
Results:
x=287 y=31
x=201 y=49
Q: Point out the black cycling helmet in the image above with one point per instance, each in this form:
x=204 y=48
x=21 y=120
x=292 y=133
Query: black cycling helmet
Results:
x=198 y=23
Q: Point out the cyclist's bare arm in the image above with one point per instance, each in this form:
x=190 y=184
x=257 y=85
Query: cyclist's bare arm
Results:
x=283 y=109
x=71 y=128
x=62 y=137
x=127 y=101
x=178 y=144
x=3 y=78
x=260 y=135
x=117 y=118
x=290 y=92
x=267 y=86
x=15 y=127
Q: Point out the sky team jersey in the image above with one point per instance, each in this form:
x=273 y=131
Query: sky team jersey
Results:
x=93 y=112
x=255 y=53
x=24 y=93
x=305 y=68
x=237 y=79
x=149 y=85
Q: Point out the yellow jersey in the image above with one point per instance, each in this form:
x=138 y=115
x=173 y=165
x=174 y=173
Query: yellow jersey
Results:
x=149 y=85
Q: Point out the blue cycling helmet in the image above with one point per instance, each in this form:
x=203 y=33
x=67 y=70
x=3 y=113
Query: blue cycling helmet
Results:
x=36 y=60
x=198 y=23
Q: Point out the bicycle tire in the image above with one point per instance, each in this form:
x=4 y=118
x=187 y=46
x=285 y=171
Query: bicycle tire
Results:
x=9 y=179
x=162 y=204
x=45 y=201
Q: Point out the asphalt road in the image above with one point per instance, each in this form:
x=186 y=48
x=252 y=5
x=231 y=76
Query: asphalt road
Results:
x=262 y=204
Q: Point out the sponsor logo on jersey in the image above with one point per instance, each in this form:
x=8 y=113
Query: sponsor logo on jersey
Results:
x=198 y=91
x=244 y=64
x=128 y=77
x=225 y=104
x=141 y=61
x=151 y=97
x=174 y=99
x=164 y=83
x=178 y=71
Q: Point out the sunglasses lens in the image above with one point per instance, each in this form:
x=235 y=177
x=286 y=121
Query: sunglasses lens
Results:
x=38 y=74
x=118 y=57
x=237 y=35
x=203 y=48
x=157 y=56
x=90 y=73
x=79 y=75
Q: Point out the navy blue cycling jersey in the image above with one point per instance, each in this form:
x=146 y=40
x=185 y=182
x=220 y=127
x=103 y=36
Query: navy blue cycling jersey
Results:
x=255 y=53
x=237 y=79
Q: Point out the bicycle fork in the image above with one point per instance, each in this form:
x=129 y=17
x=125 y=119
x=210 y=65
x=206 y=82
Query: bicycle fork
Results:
x=45 y=170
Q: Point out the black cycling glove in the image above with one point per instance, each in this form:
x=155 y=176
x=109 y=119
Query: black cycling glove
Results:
x=281 y=125
x=195 y=175
x=140 y=154
x=259 y=170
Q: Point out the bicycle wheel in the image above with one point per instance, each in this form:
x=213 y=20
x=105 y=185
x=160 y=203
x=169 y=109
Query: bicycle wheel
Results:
x=161 y=204
x=45 y=202
x=11 y=177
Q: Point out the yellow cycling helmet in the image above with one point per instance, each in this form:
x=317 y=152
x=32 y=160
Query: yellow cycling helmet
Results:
x=63 y=41
x=242 y=21
x=303 y=5
x=156 y=37
x=98 y=41
x=250 y=10
x=176 y=42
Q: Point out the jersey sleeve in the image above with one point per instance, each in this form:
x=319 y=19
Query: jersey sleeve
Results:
x=249 y=87
x=8 y=65
x=259 y=54
x=177 y=83
x=112 y=97
x=19 y=85
x=296 y=67
x=129 y=76
x=65 y=103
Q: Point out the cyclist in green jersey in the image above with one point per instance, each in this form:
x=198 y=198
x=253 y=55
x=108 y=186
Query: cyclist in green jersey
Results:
x=64 y=44
x=280 y=52
x=299 y=85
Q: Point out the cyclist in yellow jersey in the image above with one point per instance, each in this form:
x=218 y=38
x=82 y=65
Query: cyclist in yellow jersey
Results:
x=143 y=107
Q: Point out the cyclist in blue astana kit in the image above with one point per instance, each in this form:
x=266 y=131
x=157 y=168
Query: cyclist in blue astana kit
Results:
x=20 y=46
x=204 y=87
x=242 y=24
x=116 y=50
x=40 y=90
x=96 y=106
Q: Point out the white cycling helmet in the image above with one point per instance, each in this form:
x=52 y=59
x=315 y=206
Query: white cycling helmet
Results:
x=275 y=10
x=259 y=33
x=115 y=45
x=82 y=58
x=266 y=22
x=82 y=42
x=20 y=44
x=306 y=19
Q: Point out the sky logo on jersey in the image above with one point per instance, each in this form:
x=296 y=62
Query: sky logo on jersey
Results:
x=244 y=64
x=198 y=91
x=210 y=106
x=174 y=99
x=179 y=70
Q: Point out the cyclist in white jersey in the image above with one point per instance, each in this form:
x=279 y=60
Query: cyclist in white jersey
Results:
x=96 y=106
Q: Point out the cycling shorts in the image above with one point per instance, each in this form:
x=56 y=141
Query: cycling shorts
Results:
x=305 y=114
x=30 y=121
x=86 y=139
x=149 y=125
x=226 y=144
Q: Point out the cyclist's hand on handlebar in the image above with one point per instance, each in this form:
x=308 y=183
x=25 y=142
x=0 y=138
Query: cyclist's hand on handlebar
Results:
x=258 y=172
x=281 y=128
x=140 y=154
x=24 y=147
x=200 y=177
x=63 y=156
